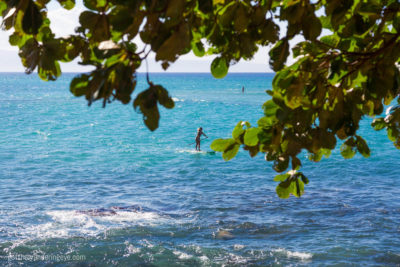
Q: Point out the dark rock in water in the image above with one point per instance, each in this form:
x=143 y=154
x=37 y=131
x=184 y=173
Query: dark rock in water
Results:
x=135 y=208
x=224 y=235
x=247 y=225
x=97 y=212
x=109 y=212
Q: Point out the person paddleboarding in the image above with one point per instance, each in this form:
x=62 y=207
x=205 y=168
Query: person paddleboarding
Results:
x=199 y=134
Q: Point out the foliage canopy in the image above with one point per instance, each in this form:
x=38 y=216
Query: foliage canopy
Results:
x=337 y=79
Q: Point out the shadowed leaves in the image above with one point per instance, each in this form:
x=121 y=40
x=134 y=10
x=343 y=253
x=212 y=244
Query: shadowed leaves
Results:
x=279 y=54
x=178 y=43
x=146 y=103
x=32 y=19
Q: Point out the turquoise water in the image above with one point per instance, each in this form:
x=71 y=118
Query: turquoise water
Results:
x=96 y=185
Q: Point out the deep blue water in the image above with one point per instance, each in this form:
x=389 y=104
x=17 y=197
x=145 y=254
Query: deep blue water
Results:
x=59 y=157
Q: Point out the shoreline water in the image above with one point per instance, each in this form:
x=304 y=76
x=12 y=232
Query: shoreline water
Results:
x=59 y=157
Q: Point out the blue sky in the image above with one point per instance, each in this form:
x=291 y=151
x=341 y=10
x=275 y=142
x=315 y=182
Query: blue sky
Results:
x=63 y=23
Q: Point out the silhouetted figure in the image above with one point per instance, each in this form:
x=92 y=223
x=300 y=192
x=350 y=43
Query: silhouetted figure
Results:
x=199 y=133
x=242 y=89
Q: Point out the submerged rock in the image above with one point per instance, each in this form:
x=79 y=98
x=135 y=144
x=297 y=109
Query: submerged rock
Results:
x=224 y=235
x=111 y=211
x=97 y=212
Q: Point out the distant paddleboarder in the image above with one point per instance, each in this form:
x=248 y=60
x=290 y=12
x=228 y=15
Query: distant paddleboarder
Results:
x=242 y=89
x=199 y=134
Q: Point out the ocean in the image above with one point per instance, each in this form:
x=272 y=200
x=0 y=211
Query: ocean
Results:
x=92 y=186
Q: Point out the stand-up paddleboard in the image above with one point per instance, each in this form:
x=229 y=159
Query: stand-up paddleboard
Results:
x=193 y=151
x=205 y=152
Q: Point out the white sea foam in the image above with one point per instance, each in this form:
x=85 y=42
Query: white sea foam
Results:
x=204 y=258
x=64 y=224
x=181 y=255
x=146 y=243
x=304 y=256
x=238 y=247
x=237 y=259
x=43 y=135
x=121 y=217
x=141 y=218
x=177 y=99
x=300 y=255
x=130 y=249
x=67 y=223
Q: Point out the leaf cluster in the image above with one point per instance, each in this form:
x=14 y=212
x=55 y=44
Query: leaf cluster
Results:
x=336 y=81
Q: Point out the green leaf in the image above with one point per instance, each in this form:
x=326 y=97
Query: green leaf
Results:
x=48 y=68
x=303 y=178
x=270 y=108
x=284 y=192
x=151 y=118
x=312 y=27
x=175 y=45
x=331 y=40
x=278 y=54
x=146 y=101
x=95 y=4
x=79 y=85
x=216 y=2
x=18 y=39
x=121 y=18
x=291 y=185
x=175 y=9
x=298 y=188
x=281 y=164
x=326 y=139
x=281 y=177
x=396 y=23
x=97 y=24
x=325 y=22
x=198 y=49
x=251 y=136
x=45 y=34
x=241 y=19
x=230 y=152
x=67 y=4
x=206 y=6
x=269 y=32
x=88 y=19
x=296 y=163
x=238 y=130
x=227 y=13
x=347 y=149
x=219 y=67
x=32 y=19
x=378 y=124
x=3 y=6
x=362 y=147
x=393 y=133
x=163 y=97
x=266 y=122
x=221 y=144
x=30 y=54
